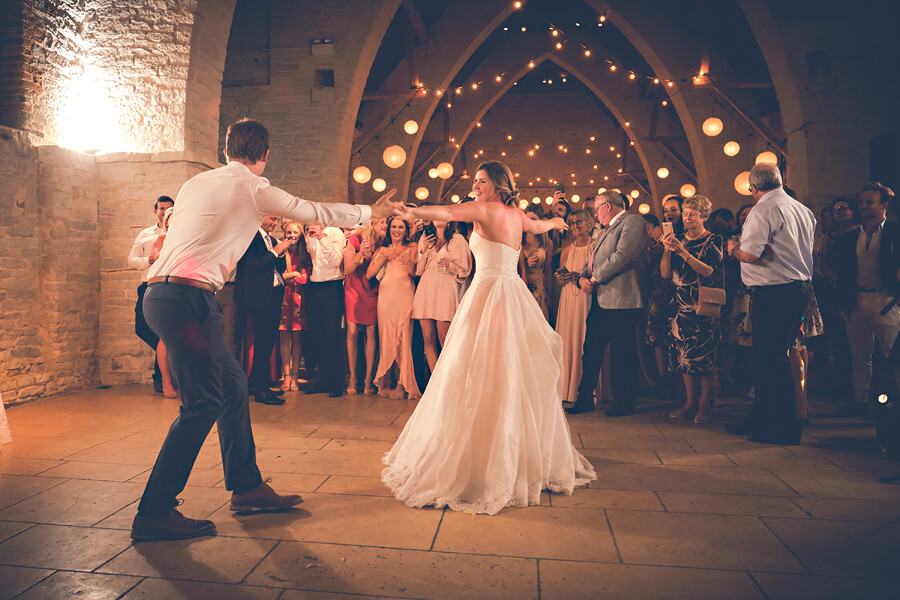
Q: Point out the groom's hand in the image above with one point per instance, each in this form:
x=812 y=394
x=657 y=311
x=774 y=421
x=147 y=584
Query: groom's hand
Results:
x=385 y=208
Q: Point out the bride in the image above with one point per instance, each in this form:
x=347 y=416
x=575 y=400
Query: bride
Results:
x=489 y=431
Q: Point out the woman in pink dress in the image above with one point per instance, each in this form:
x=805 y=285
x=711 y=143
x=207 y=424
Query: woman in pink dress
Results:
x=571 y=319
x=444 y=261
x=295 y=276
x=393 y=264
x=535 y=263
x=361 y=299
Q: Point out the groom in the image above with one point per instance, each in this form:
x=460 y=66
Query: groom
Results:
x=615 y=278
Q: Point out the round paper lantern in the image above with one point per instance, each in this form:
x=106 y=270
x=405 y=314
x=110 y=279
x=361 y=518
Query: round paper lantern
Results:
x=688 y=190
x=644 y=209
x=731 y=149
x=523 y=203
x=548 y=200
x=410 y=127
x=713 y=126
x=433 y=173
x=535 y=200
x=742 y=183
x=601 y=190
x=362 y=174
x=662 y=172
x=635 y=194
x=421 y=193
x=576 y=198
x=394 y=156
x=445 y=170
x=379 y=185
x=767 y=157
x=454 y=198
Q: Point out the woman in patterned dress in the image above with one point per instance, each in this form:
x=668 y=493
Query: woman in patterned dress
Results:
x=691 y=262
x=295 y=277
x=535 y=263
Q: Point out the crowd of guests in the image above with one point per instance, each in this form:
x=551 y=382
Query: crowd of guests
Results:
x=368 y=310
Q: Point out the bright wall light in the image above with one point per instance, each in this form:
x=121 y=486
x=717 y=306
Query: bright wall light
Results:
x=89 y=121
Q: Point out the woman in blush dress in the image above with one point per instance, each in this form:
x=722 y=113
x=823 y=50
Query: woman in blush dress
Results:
x=571 y=319
x=361 y=300
x=490 y=431
x=444 y=261
x=397 y=259
x=295 y=276
x=535 y=262
x=162 y=356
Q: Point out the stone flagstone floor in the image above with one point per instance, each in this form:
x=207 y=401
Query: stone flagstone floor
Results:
x=679 y=511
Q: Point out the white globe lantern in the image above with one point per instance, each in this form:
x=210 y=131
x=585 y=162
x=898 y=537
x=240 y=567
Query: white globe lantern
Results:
x=662 y=172
x=601 y=190
x=422 y=193
x=445 y=170
x=379 y=185
x=523 y=203
x=535 y=200
x=410 y=127
x=742 y=183
x=394 y=156
x=433 y=173
x=767 y=157
x=548 y=200
x=576 y=198
x=362 y=174
x=713 y=126
x=644 y=209
x=687 y=190
x=454 y=198
x=635 y=194
x=731 y=148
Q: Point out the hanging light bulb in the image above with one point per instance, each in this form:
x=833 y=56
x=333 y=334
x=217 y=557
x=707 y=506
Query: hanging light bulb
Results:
x=445 y=170
x=742 y=183
x=687 y=190
x=362 y=174
x=379 y=184
x=713 y=126
x=410 y=127
x=394 y=156
x=422 y=193
x=662 y=172
x=767 y=157
x=433 y=173
x=731 y=148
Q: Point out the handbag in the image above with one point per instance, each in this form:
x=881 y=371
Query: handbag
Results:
x=711 y=299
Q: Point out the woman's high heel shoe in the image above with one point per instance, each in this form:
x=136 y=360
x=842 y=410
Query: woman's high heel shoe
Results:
x=351 y=387
x=370 y=389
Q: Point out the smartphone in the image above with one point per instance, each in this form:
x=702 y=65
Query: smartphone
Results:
x=667 y=227
x=429 y=230
x=560 y=188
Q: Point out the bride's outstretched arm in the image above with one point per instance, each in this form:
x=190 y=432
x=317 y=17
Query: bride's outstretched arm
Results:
x=542 y=225
x=471 y=212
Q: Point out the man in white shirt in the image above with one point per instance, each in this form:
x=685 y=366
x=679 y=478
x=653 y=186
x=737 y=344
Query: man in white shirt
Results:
x=217 y=214
x=139 y=259
x=325 y=306
x=777 y=264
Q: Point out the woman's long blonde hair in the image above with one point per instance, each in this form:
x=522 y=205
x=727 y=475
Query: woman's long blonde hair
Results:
x=502 y=179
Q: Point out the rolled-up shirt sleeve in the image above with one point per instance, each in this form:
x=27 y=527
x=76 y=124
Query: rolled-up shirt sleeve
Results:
x=755 y=233
x=271 y=200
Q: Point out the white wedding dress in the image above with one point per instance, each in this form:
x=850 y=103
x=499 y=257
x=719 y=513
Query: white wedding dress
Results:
x=490 y=431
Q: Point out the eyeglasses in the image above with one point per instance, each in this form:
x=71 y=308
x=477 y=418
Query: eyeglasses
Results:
x=838 y=209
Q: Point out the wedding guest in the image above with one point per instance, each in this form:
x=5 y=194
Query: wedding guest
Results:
x=672 y=213
x=324 y=307
x=162 y=356
x=394 y=264
x=776 y=259
x=293 y=317
x=573 y=303
x=444 y=262
x=361 y=301
x=139 y=259
x=535 y=263
x=691 y=261
x=737 y=328
x=659 y=297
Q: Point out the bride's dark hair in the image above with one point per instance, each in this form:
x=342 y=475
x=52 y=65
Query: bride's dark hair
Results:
x=502 y=179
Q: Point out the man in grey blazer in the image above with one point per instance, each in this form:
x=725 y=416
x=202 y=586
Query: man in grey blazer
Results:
x=616 y=279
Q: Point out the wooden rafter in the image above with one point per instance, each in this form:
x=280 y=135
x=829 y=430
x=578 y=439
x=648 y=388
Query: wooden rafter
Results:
x=377 y=125
x=760 y=129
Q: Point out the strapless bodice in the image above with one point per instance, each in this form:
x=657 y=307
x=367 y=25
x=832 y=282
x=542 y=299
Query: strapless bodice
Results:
x=493 y=259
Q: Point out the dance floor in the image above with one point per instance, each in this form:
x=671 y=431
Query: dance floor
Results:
x=678 y=511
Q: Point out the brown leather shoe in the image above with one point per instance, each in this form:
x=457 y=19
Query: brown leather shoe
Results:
x=173 y=526
x=263 y=499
